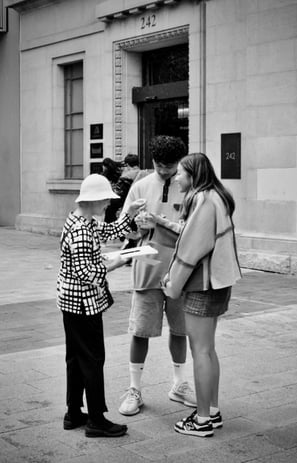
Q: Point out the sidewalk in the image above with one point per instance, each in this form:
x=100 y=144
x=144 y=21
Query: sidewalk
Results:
x=256 y=343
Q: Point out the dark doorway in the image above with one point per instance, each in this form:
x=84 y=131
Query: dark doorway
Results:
x=163 y=117
x=163 y=99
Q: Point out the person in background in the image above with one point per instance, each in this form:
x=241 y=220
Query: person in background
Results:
x=112 y=171
x=82 y=296
x=127 y=177
x=204 y=267
x=160 y=189
x=131 y=167
x=130 y=173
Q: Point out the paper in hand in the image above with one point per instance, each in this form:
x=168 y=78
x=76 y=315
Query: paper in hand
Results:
x=139 y=252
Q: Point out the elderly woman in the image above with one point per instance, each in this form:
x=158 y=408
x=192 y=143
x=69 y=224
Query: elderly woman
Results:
x=82 y=296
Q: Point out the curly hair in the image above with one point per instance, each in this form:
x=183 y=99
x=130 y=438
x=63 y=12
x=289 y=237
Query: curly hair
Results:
x=166 y=149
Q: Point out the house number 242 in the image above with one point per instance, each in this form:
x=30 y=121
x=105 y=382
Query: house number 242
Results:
x=148 y=21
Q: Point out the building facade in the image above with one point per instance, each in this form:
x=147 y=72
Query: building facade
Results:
x=100 y=78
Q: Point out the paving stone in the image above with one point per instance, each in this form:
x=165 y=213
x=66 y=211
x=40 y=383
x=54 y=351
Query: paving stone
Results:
x=288 y=456
x=284 y=436
x=106 y=455
x=215 y=454
x=286 y=415
x=251 y=447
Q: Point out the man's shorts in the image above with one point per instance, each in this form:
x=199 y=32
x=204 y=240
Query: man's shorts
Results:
x=146 y=316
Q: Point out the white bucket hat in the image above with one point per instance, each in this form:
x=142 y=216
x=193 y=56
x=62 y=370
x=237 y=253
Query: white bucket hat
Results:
x=95 y=187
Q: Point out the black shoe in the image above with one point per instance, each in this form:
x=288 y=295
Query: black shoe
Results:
x=72 y=421
x=191 y=427
x=105 y=429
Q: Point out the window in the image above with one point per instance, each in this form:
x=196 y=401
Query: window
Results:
x=73 y=125
x=165 y=65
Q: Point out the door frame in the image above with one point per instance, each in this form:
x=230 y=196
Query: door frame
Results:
x=123 y=140
x=160 y=92
x=149 y=94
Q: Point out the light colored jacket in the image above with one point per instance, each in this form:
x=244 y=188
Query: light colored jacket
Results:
x=205 y=254
x=144 y=275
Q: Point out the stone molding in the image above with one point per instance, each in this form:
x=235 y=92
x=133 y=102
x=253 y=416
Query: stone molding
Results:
x=62 y=186
x=23 y=5
x=120 y=47
x=109 y=11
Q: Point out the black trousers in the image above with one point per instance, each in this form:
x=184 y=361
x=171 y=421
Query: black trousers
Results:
x=85 y=356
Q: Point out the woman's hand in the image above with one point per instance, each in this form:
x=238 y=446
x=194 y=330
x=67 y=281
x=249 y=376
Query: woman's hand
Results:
x=167 y=288
x=116 y=262
x=144 y=220
x=136 y=207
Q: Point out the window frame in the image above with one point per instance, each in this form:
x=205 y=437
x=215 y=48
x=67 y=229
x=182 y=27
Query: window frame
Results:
x=69 y=115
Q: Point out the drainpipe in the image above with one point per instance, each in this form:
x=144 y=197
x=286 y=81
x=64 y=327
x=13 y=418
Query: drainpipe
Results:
x=203 y=76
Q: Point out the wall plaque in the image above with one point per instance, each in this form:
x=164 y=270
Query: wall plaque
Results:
x=231 y=155
x=96 y=131
x=96 y=168
x=96 y=150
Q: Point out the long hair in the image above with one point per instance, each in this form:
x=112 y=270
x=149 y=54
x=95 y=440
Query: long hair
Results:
x=111 y=170
x=203 y=177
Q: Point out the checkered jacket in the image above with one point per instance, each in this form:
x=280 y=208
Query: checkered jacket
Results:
x=82 y=276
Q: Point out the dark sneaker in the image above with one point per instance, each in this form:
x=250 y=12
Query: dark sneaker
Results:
x=105 y=429
x=191 y=427
x=74 y=421
x=217 y=421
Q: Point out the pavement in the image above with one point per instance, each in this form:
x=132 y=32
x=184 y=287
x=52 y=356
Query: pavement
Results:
x=256 y=343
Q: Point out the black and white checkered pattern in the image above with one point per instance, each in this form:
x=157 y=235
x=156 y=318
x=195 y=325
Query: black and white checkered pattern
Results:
x=82 y=275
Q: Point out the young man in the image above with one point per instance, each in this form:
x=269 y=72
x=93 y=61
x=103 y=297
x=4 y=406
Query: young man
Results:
x=163 y=197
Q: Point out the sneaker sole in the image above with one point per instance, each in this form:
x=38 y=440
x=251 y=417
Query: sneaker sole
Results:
x=181 y=401
x=217 y=425
x=194 y=433
x=132 y=413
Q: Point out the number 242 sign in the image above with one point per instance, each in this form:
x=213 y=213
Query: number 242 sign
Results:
x=148 y=21
x=231 y=155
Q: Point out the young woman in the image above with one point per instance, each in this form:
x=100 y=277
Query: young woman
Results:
x=82 y=296
x=204 y=266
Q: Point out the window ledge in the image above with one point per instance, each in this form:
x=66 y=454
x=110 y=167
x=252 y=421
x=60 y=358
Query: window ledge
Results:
x=61 y=186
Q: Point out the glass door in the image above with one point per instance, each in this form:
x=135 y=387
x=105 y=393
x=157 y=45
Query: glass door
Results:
x=164 y=117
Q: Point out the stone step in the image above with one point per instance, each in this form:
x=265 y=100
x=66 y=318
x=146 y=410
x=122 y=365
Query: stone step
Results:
x=271 y=253
x=268 y=261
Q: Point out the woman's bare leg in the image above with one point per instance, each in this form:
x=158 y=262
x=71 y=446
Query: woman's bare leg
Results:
x=201 y=332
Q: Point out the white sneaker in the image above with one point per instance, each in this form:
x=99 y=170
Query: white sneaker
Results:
x=132 y=403
x=184 y=394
